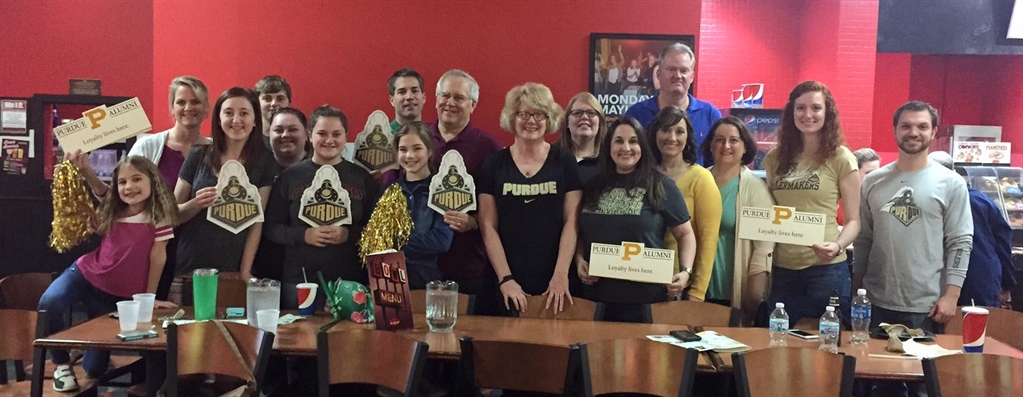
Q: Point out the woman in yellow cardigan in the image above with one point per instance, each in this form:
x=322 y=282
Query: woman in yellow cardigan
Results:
x=741 y=267
x=675 y=152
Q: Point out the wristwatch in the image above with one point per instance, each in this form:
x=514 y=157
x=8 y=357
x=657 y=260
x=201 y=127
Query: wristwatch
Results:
x=505 y=279
x=690 y=271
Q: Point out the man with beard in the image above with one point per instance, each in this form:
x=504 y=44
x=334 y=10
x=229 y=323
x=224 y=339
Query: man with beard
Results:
x=676 y=72
x=916 y=231
x=916 y=235
x=405 y=92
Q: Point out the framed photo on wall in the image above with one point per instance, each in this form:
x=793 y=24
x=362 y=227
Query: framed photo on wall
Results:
x=623 y=67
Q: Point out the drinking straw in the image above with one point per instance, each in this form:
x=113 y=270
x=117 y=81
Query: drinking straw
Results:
x=972 y=303
x=303 y=275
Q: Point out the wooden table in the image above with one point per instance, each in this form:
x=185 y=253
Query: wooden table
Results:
x=299 y=339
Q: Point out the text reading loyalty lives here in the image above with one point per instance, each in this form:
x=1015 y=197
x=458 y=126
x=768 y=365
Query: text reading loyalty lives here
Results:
x=92 y=120
x=777 y=215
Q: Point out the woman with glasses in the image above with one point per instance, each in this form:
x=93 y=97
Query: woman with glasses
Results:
x=529 y=198
x=581 y=132
x=674 y=153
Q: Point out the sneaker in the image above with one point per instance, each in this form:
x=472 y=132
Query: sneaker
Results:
x=64 y=379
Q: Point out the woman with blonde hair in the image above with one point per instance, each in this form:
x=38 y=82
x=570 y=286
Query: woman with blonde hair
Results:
x=582 y=129
x=529 y=200
x=811 y=170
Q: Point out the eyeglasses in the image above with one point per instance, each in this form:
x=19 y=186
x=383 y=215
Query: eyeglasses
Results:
x=445 y=96
x=524 y=116
x=579 y=113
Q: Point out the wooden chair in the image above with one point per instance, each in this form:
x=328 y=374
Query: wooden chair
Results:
x=973 y=375
x=23 y=291
x=20 y=328
x=516 y=366
x=1004 y=325
x=693 y=313
x=231 y=291
x=374 y=357
x=637 y=366
x=793 y=371
x=582 y=309
x=234 y=350
x=466 y=303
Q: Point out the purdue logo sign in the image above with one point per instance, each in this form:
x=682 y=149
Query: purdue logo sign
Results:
x=325 y=202
x=237 y=205
x=452 y=188
x=374 y=148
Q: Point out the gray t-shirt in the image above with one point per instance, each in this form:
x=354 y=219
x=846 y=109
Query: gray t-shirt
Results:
x=201 y=243
x=915 y=237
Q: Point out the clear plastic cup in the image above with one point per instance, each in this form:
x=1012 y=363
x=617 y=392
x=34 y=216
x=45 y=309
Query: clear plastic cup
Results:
x=145 y=306
x=267 y=319
x=128 y=315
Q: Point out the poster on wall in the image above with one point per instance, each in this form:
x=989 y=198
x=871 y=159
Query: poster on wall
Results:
x=623 y=68
x=15 y=155
x=14 y=117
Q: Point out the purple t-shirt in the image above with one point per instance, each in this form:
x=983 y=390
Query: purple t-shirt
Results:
x=170 y=165
x=120 y=266
x=467 y=257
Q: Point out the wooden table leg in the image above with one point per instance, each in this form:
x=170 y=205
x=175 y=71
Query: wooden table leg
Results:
x=156 y=371
x=38 y=371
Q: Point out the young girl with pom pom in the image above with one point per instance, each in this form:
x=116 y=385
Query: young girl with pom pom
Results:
x=136 y=224
x=430 y=235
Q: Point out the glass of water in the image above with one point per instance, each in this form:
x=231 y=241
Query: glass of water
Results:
x=441 y=305
x=261 y=294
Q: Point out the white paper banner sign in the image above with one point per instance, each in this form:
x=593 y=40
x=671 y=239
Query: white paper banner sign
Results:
x=781 y=225
x=103 y=125
x=374 y=146
x=238 y=204
x=325 y=202
x=452 y=188
x=632 y=261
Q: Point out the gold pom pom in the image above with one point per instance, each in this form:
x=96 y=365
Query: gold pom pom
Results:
x=72 y=209
x=390 y=225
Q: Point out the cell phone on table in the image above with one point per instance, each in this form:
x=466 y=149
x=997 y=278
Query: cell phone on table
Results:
x=114 y=315
x=802 y=334
x=136 y=335
x=685 y=336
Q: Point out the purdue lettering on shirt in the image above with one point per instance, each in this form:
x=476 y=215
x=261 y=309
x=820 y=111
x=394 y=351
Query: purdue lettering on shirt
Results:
x=525 y=189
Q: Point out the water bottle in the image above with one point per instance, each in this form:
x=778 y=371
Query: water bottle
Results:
x=860 y=318
x=829 y=330
x=834 y=302
x=779 y=325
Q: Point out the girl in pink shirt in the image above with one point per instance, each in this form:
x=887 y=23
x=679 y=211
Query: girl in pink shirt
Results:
x=135 y=224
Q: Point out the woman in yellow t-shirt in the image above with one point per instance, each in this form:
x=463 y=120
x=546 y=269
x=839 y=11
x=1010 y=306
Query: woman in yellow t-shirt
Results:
x=674 y=149
x=812 y=170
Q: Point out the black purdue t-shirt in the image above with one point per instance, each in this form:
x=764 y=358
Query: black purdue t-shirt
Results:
x=530 y=212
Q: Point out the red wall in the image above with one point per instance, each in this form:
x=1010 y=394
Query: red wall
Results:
x=780 y=43
x=45 y=43
x=966 y=89
x=343 y=52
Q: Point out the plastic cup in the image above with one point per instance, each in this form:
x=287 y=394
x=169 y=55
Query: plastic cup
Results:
x=145 y=306
x=204 y=293
x=128 y=315
x=306 y=298
x=974 y=329
x=267 y=319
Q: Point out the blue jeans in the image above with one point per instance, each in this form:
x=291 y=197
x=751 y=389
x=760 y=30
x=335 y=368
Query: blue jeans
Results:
x=807 y=292
x=71 y=287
